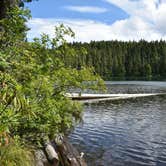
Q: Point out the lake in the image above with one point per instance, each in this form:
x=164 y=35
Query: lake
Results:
x=127 y=132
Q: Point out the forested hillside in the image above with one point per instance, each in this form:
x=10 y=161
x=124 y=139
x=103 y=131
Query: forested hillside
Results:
x=124 y=60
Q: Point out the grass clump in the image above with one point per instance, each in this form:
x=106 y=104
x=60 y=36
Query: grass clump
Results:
x=15 y=154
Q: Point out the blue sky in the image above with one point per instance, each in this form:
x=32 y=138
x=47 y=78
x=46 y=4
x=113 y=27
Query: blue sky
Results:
x=101 y=19
x=62 y=9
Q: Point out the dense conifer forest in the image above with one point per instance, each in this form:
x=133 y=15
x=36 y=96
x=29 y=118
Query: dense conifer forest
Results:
x=124 y=60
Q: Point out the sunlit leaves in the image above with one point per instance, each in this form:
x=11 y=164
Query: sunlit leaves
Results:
x=34 y=79
x=14 y=28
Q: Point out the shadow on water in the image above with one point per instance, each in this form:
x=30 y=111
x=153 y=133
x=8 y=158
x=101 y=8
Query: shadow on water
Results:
x=127 y=132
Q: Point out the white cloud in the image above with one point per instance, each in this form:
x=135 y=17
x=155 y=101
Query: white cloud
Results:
x=151 y=12
x=86 y=9
x=146 y=21
x=87 y=30
x=160 y=19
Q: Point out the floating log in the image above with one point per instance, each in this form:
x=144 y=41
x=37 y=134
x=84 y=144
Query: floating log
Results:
x=102 y=97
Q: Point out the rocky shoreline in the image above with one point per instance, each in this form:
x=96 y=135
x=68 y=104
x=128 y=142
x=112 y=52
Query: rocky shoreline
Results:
x=59 y=152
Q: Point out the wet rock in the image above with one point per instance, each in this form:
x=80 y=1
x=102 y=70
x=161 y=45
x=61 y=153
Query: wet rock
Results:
x=69 y=155
x=51 y=153
x=58 y=153
x=41 y=159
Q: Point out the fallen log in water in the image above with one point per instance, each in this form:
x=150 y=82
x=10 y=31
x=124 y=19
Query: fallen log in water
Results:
x=102 y=97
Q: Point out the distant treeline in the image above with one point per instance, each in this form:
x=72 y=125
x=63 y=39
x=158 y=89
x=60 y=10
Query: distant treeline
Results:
x=123 y=60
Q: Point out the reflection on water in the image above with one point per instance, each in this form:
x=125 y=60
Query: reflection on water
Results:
x=129 y=132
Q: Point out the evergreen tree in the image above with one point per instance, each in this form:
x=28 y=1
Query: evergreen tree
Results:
x=130 y=60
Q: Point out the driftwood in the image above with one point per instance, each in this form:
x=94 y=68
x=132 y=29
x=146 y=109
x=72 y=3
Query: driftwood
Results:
x=60 y=152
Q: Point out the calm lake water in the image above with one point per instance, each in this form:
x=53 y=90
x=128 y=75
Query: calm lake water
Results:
x=124 y=133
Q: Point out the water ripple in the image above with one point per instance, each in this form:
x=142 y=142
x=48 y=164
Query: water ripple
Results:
x=127 y=133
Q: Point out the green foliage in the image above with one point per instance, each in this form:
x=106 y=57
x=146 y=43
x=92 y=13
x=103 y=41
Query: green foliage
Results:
x=15 y=154
x=8 y=97
x=34 y=80
x=124 y=60
x=148 y=70
x=13 y=27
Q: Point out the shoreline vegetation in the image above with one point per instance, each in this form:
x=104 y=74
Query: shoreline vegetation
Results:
x=33 y=81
